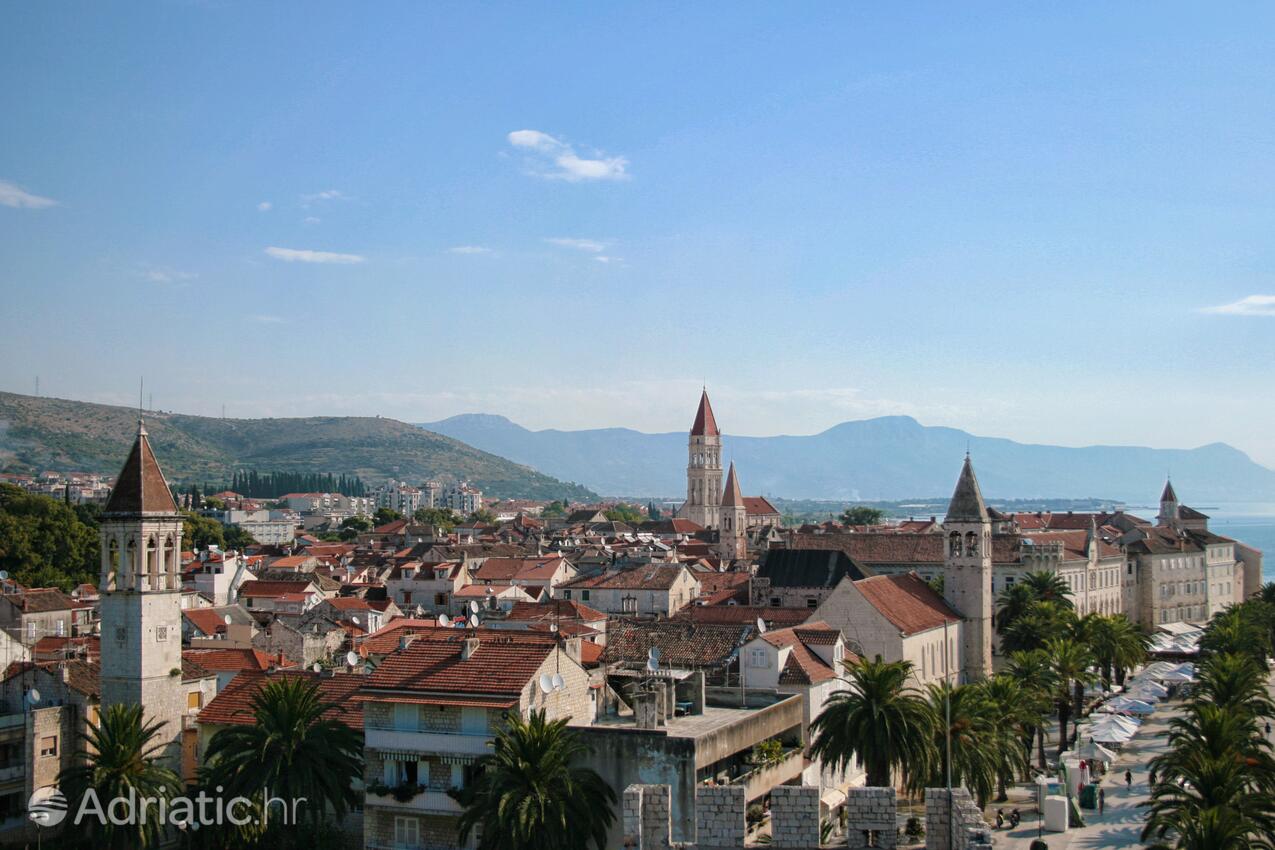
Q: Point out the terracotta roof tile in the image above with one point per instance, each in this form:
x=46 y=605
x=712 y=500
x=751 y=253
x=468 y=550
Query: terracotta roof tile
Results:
x=233 y=705
x=681 y=643
x=140 y=487
x=502 y=664
x=907 y=602
x=705 y=424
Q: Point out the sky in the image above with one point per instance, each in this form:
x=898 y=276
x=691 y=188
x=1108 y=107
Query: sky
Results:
x=1050 y=224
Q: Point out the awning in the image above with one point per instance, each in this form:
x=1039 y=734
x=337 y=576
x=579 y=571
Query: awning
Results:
x=406 y=755
x=416 y=699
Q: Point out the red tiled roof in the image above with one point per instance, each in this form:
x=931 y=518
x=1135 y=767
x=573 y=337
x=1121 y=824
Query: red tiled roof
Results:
x=651 y=577
x=907 y=602
x=705 y=424
x=385 y=639
x=527 y=569
x=234 y=659
x=563 y=609
x=682 y=643
x=760 y=506
x=744 y=614
x=502 y=664
x=590 y=653
x=140 y=486
x=804 y=667
x=206 y=620
x=274 y=588
x=233 y=705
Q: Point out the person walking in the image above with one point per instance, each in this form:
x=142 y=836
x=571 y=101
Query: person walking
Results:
x=1128 y=779
x=1151 y=778
x=1102 y=800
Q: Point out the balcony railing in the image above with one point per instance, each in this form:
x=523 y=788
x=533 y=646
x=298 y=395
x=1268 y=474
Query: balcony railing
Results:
x=432 y=798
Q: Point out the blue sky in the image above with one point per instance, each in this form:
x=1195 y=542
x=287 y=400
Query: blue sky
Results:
x=1008 y=218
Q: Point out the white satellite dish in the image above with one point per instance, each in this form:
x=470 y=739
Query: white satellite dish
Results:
x=356 y=621
x=558 y=682
x=420 y=610
x=546 y=683
x=473 y=621
x=761 y=626
x=318 y=668
x=352 y=658
x=33 y=696
x=653 y=659
x=4 y=575
x=226 y=619
x=553 y=627
x=473 y=606
x=443 y=621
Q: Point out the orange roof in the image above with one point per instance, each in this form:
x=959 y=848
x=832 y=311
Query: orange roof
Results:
x=502 y=664
x=206 y=620
x=907 y=602
x=140 y=486
x=705 y=423
x=759 y=506
x=233 y=705
x=590 y=653
x=235 y=659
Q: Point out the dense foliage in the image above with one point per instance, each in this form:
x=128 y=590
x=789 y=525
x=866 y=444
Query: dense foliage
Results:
x=45 y=542
x=272 y=485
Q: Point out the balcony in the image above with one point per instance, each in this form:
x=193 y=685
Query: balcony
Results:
x=430 y=799
x=761 y=779
x=427 y=742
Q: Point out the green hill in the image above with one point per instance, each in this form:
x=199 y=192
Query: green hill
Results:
x=53 y=434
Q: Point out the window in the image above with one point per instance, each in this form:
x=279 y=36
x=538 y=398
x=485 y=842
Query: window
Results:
x=584 y=596
x=61 y=628
x=812 y=602
x=49 y=746
x=194 y=701
x=161 y=633
x=757 y=658
x=776 y=602
x=629 y=604
x=872 y=838
x=440 y=598
x=566 y=594
x=407 y=832
x=407 y=597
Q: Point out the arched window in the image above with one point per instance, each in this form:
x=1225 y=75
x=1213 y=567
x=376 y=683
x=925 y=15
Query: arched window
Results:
x=954 y=543
x=130 y=561
x=112 y=564
x=172 y=562
x=152 y=565
x=971 y=543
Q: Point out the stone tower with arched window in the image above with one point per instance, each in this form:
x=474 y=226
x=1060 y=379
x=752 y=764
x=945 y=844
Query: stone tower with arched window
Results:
x=967 y=572
x=140 y=585
x=704 y=469
x=732 y=534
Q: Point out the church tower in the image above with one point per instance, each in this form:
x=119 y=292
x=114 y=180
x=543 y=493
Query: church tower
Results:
x=732 y=536
x=1169 y=514
x=141 y=535
x=967 y=572
x=703 y=469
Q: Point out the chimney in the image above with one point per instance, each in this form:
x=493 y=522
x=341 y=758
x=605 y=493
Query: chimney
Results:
x=469 y=648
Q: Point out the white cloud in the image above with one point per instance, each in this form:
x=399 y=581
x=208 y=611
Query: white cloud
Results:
x=266 y=320
x=1253 y=305
x=301 y=255
x=602 y=258
x=312 y=219
x=591 y=245
x=15 y=196
x=469 y=249
x=156 y=275
x=264 y=206
x=554 y=159
x=326 y=195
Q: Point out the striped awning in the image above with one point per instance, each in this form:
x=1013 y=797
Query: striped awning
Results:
x=441 y=758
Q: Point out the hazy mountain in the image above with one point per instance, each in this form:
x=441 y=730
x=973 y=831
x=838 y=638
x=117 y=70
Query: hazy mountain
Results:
x=44 y=433
x=891 y=457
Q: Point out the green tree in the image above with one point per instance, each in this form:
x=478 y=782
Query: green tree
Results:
x=200 y=532
x=1239 y=629
x=117 y=755
x=1034 y=673
x=1018 y=715
x=978 y=747
x=237 y=538
x=482 y=515
x=1042 y=621
x=290 y=750
x=45 y=543
x=384 y=516
x=1070 y=662
x=444 y=518
x=1049 y=587
x=862 y=515
x=533 y=794
x=621 y=512
x=879 y=719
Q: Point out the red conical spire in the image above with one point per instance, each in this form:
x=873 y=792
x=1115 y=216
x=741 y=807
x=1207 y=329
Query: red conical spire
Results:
x=140 y=487
x=705 y=425
x=731 y=496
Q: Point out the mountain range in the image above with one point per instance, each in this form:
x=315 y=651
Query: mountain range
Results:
x=886 y=458
x=38 y=434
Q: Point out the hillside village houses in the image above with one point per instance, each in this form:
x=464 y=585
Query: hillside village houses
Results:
x=750 y=621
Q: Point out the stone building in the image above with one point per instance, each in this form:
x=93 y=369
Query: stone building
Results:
x=703 y=468
x=141 y=588
x=967 y=573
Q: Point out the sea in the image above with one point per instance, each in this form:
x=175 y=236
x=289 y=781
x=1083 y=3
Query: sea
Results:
x=1251 y=523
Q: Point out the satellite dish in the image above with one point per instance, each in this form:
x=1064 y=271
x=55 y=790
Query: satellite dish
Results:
x=352 y=658
x=33 y=696
x=443 y=621
x=546 y=683
x=356 y=621
x=652 y=664
x=473 y=606
x=420 y=610
x=226 y=619
x=473 y=620
x=553 y=627
x=558 y=682
x=4 y=575
x=761 y=626
x=654 y=654
x=318 y=668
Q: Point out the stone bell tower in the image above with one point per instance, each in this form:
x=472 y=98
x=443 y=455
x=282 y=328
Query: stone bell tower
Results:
x=967 y=572
x=140 y=585
x=732 y=534
x=703 y=469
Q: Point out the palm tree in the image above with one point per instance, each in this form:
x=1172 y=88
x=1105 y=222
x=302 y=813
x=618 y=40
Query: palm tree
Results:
x=1041 y=621
x=1033 y=671
x=1017 y=717
x=1012 y=604
x=979 y=746
x=881 y=720
x=291 y=750
x=531 y=793
x=119 y=755
x=1070 y=663
x=1130 y=646
x=1049 y=587
x=1239 y=628
x=1221 y=828
x=1235 y=682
